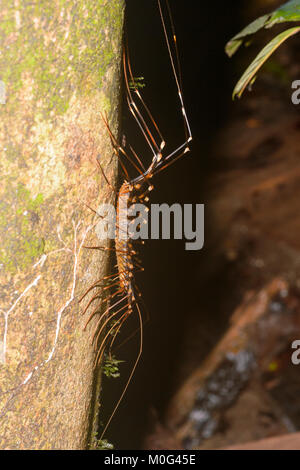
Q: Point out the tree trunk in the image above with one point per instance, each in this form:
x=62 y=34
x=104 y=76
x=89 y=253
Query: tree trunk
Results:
x=59 y=67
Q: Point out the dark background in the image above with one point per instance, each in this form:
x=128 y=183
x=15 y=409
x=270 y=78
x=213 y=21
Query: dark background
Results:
x=170 y=284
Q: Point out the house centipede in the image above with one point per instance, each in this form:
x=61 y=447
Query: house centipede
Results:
x=119 y=290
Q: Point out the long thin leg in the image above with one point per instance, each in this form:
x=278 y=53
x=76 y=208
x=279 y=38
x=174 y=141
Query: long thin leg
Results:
x=115 y=145
x=98 y=284
x=158 y=158
x=131 y=374
x=138 y=116
x=118 y=148
x=98 y=332
x=106 y=311
x=135 y=331
x=177 y=79
x=106 y=248
x=103 y=343
x=128 y=64
x=105 y=177
x=99 y=295
x=175 y=44
x=160 y=168
x=115 y=334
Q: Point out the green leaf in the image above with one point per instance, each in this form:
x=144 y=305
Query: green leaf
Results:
x=103 y=444
x=111 y=367
x=250 y=73
x=289 y=11
x=233 y=45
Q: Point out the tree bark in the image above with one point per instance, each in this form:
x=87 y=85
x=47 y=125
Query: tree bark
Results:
x=59 y=67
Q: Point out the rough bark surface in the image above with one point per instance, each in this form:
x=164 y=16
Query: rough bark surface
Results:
x=59 y=67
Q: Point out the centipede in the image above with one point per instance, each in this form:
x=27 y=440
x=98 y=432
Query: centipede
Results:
x=119 y=295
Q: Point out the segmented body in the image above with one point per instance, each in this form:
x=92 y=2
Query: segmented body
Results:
x=123 y=250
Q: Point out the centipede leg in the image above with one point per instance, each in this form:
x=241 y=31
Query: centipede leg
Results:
x=97 y=309
x=97 y=284
x=98 y=331
x=103 y=343
x=131 y=373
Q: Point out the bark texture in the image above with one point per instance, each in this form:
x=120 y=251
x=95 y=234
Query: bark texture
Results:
x=59 y=67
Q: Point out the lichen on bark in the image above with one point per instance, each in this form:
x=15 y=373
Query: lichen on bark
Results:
x=60 y=65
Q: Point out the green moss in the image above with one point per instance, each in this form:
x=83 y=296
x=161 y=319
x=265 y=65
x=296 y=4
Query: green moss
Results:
x=20 y=237
x=101 y=444
x=23 y=195
x=59 y=46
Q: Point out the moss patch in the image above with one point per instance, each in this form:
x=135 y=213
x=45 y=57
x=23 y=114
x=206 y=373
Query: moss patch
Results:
x=62 y=49
x=19 y=218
